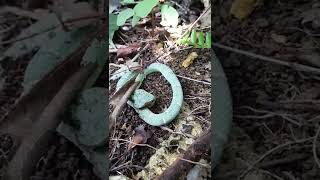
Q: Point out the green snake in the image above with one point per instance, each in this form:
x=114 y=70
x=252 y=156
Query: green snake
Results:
x=142 y=100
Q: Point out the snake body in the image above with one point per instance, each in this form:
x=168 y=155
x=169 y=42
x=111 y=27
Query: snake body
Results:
x=144 y=112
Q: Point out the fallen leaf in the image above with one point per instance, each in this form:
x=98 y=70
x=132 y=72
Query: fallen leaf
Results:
x=189 y=60
x=279 y=38
x=310 y=15
x=70 y=9
x=241 y=9
x=140 y=136
x=127 y=51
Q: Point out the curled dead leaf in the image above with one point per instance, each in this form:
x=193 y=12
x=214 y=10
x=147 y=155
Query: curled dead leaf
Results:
x=128 y=50
x=189 y=60
x=140 y=136
x=70 y=10
x=241 y=9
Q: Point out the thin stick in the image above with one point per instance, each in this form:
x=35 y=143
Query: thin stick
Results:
x=295 y=66
x=270 y=152
x=314 y=148
x=203 y=82
x=197 y=163
x=140 y=52
x=134 y=143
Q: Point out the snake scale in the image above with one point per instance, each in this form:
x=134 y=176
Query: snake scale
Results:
x=147 y=99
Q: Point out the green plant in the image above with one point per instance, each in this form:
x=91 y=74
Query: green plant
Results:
x=169 y=15
x=196 y=39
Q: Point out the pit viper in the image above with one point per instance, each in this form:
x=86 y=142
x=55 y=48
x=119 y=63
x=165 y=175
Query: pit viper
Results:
x=141 y=100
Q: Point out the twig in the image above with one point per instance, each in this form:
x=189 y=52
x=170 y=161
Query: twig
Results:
x=196 y=151
x=270 y=152
x=174 y=132
x=46 y=30
x=314 y=147
x=140 y=52
x=135 y=143
x=197 y=163
x=198 y=81
x=193 y=24
x=126 y=166
x=295 y=66
x=267 y=114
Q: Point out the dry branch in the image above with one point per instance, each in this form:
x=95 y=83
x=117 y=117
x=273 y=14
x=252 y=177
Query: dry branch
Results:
x=35 y=145
x=196 y=151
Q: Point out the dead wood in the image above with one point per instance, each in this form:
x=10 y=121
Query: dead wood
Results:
x=36 y=143
x=179 y=169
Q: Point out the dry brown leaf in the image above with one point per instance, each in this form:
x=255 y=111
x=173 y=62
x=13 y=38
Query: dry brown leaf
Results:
x=279 y=38
x=241 y=9
x=189 y=60
x=140 y=136
x=69 y=9
x=128 y=50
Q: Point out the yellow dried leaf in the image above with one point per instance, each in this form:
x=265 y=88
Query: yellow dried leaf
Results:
x=242 y=8
x=189 y=60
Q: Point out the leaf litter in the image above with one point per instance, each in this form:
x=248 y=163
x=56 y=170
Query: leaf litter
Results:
x=141 y=153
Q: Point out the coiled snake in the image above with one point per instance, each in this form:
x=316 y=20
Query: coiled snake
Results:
x=141 y=100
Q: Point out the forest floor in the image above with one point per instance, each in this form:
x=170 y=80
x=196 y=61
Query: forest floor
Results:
x=276 y=107
x=169 y=140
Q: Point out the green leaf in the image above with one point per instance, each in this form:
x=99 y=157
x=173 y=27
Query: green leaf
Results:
x=201 y=39
x=143 y=8
x=135 y=20
x=112 y=27
x=124 y=15
x=91 y=114
x=95 y=53
x=208 y=40
x=169 y=16
x=193 y=37
x=56 y=50
x=184 y=40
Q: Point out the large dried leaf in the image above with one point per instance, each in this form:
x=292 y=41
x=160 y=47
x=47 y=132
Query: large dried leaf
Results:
x=90 y=112
x=242 y=8
x=96 y=53
x=97 y=157
x=49 y=56
x=23 y=47
x=70 y=9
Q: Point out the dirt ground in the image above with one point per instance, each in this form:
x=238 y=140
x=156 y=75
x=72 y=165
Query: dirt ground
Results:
x=195 y=94
x=274 y=105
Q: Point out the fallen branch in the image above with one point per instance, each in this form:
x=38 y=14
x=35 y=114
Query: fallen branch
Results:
x=119 y=100
x=34 y=145
x=196 y=151
x=295 y=66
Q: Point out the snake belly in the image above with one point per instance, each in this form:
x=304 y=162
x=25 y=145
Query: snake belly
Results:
x=177 y=96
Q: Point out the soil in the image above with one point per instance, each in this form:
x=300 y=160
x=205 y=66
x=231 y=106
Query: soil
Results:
x=273 y=104
x=195 y=95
